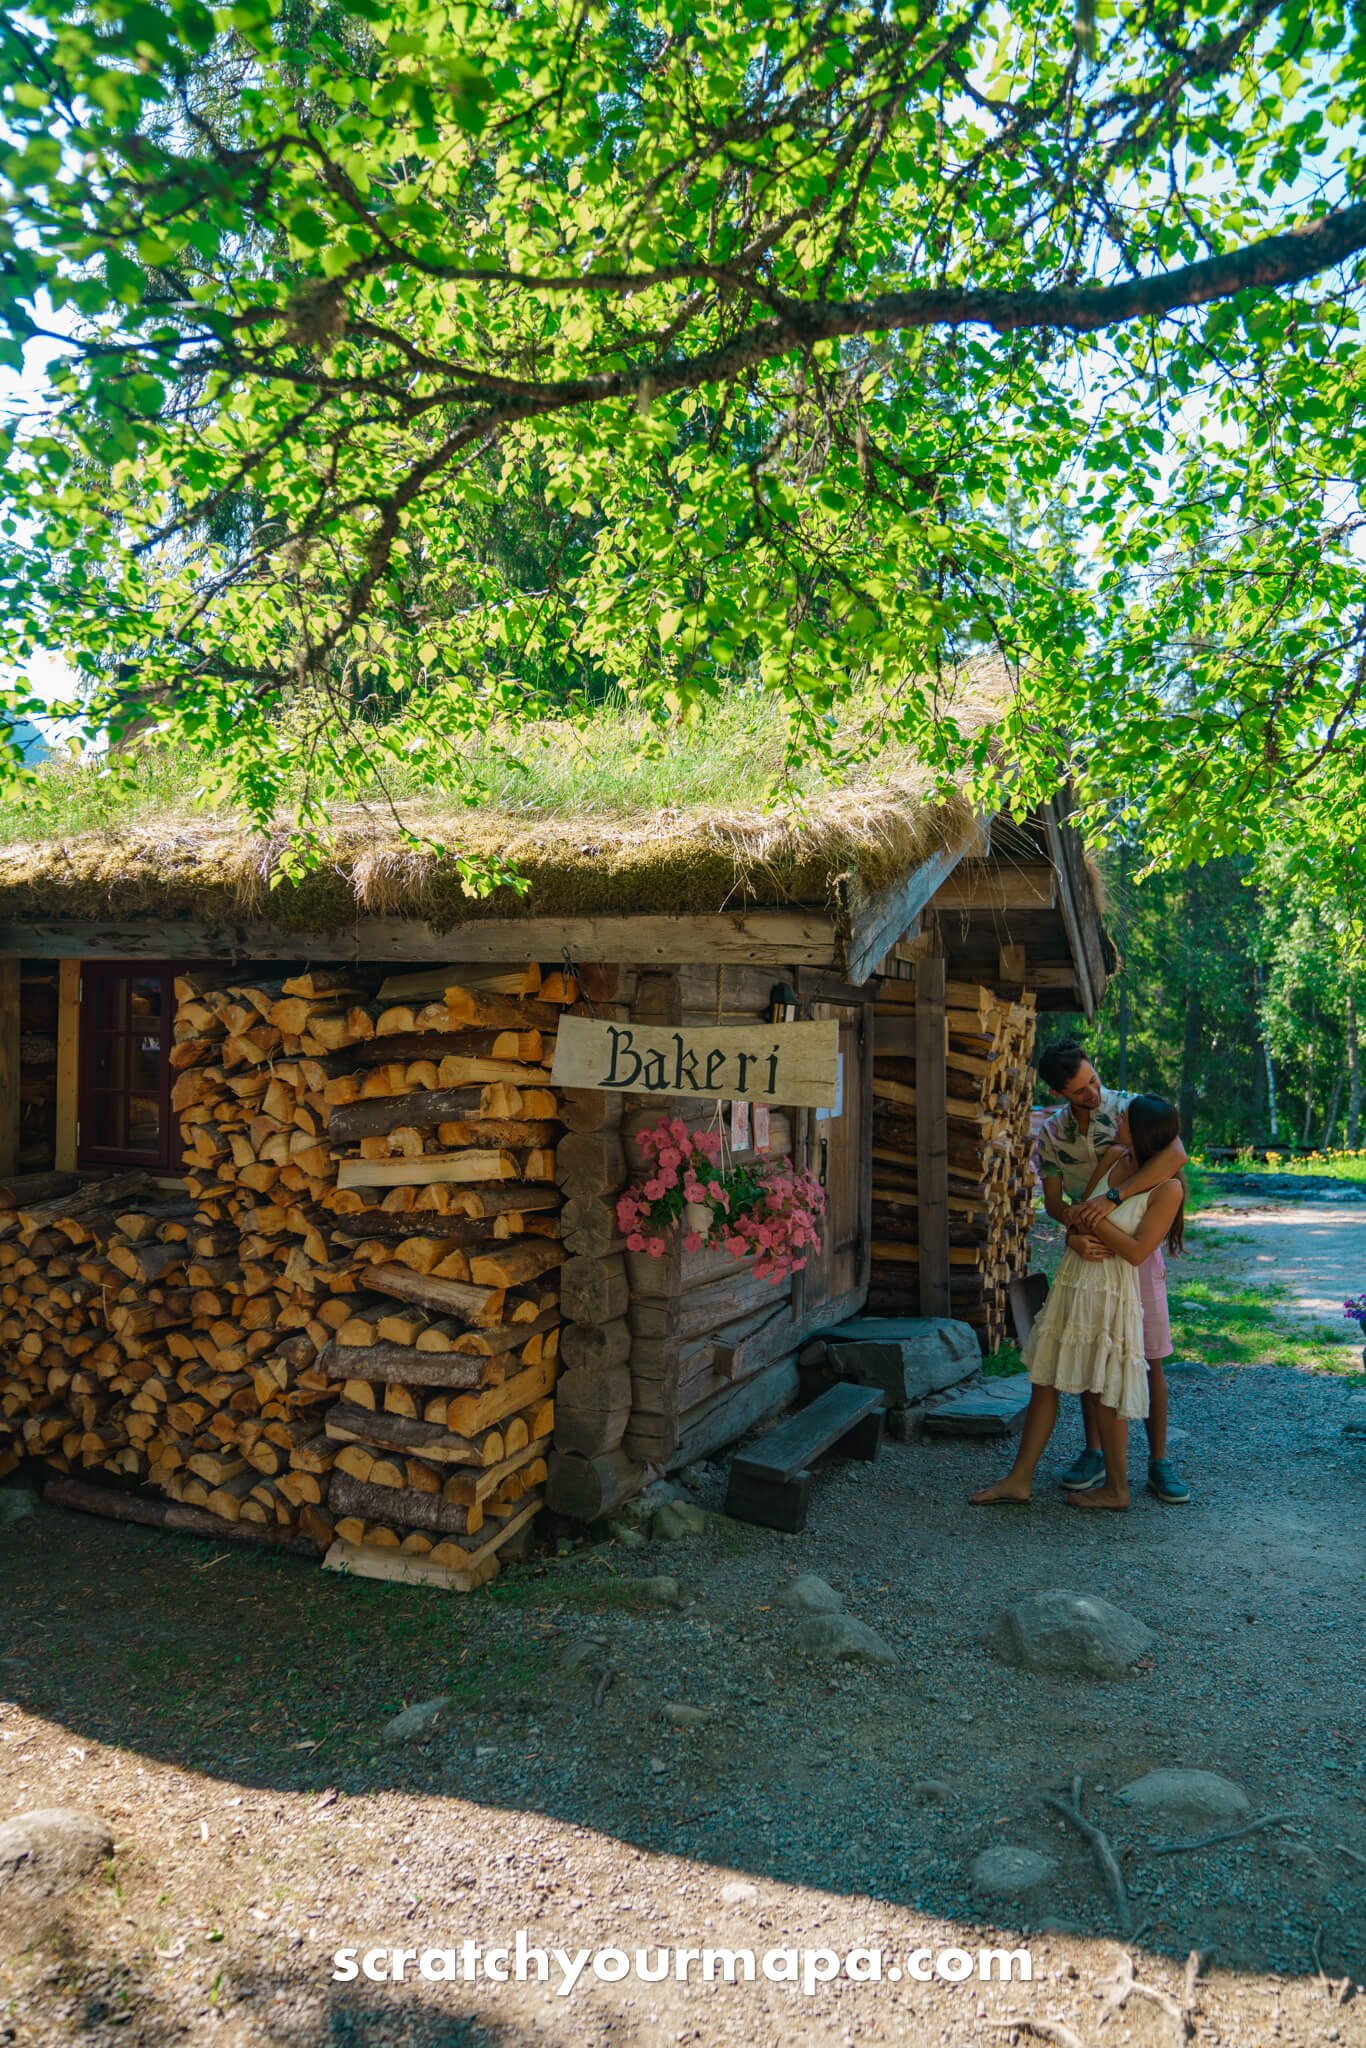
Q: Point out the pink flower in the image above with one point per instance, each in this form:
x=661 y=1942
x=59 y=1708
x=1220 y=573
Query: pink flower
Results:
x=654 y=1188
x=635 y=1242
x=669 y=1155
x=692 y=1242
x=655 y=1247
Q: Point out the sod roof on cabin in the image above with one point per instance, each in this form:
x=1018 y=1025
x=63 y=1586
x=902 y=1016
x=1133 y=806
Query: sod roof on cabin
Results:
x=585 y=846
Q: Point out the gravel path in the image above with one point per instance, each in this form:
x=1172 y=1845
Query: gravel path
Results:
x=181 y=1694
x=1315 y=1250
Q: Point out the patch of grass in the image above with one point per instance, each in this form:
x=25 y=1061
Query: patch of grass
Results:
x=1218 y=1319
x=1328 y=1165
x=1004 y=1361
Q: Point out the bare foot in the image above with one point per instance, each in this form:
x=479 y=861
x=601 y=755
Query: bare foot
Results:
x=1007 y=1493
x=1099 y=1497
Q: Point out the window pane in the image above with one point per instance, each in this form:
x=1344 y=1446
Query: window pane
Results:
x=144 y=1123
x=108 y=1124
x=144 y=1062
x=110 y=1064
x=108 y=1002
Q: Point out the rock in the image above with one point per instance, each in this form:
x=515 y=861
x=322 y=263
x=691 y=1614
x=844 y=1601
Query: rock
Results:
x=827 y=1637
x=1354 y=1416
x=993 y=1407
x=46 y=1852
x=623 y=1533
x=17 y=1503
x=739 y=1894
x=810 y=1595
x=662 y=1591
x=907 y=1356
x=416 y=1723
x=931 y=1791
x=1007 y=1872
x=667 y=1525
x=582 y=1650
x=1072 y=1634
x=681 y=1715
x=1198 y=1799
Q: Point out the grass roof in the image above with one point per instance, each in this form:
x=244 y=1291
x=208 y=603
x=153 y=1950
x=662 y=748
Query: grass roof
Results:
x=613 y=819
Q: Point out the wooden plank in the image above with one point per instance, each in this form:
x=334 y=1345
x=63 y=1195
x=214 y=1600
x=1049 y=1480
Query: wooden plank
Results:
x=775 y=1063
x=427 y=1169
x=876 y=920
x=932 y=1136
x=68 y=1063
x=975 y=887
x=9 y=1066
x=366 y=1562
x=765 y=937
x=1085 y=957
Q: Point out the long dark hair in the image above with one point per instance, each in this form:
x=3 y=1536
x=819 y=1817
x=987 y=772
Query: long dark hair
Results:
x=1153 y=1125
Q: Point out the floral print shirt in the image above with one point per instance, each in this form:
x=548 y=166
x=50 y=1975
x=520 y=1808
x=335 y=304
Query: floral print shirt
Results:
x=1072 y=1155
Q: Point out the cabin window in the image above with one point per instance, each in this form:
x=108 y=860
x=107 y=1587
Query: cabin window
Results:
x=126 y=1012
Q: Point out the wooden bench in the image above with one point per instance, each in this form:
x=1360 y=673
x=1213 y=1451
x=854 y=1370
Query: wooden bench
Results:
x=771 y=1483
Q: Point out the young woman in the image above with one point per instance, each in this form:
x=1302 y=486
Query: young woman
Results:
x=1089 y=1335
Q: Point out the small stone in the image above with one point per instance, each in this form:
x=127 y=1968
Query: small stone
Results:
x=623 y=1533
x=17 y=1503
x=1071 y=1634
x=418 y=1722
x=46 y=1852
x=582 y=1650
x=662 y=1591
x=811 y=1595
x=828 y=1637
x=658 y=1765
x=1354 y=1417
x=667 y=1525
x=1008 y=1872
x=931 y=1791
x=681 y=1715
x=1190 y=1798
x=739 y=1894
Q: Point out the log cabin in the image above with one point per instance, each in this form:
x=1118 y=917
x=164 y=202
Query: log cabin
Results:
x=298 y=1236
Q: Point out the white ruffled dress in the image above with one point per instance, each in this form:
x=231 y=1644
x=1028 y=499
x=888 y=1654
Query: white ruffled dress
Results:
x=1088 y=1338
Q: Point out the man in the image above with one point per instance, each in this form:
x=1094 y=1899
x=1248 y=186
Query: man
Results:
x=1071 y=1145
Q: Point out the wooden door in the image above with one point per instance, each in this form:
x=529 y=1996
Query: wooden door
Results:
x=837 y=1149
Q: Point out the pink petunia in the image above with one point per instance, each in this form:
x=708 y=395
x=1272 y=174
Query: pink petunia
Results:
x=692 y=1242
x=635 y=1242
x=655 y=1247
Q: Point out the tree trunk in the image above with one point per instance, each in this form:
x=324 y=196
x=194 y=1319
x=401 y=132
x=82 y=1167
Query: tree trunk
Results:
x=1190 y=1046
x=1270 y=1071
x=1309 y=1094
x=1354 y=1070
x=1330 y=1121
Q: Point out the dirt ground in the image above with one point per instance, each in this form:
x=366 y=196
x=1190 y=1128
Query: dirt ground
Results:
x=223 y=1712
x=1316 y=1250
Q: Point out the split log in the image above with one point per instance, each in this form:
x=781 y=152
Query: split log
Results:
x=588 y=1488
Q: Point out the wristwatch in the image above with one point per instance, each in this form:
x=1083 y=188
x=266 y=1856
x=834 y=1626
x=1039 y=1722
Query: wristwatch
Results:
x=1114 y=1195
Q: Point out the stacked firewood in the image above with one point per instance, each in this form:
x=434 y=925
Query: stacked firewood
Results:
x=442 y=1127
x=129 y=1356
x=990 y=1177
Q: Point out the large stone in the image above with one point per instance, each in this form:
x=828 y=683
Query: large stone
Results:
x=988 y=1407
x=418 y=1722
x=46 y=1852
x=1071 y=1634
x=1008 y=1872
x=811 y=1595
x=826 y=1638
x=907 y=1356
x=1190 y=1798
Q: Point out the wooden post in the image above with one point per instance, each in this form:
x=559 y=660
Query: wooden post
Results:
x=68 y=1062
x=9 y=1065
x=932 y=1136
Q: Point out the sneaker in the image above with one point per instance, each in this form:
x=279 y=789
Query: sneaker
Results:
x=1165 y=1481
x=1086 y=1475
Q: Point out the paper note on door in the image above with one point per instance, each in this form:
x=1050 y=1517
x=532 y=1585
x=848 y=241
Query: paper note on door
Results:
x=829 y=1115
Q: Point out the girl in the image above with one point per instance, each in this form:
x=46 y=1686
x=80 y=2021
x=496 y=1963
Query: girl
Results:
x=1089 y=1334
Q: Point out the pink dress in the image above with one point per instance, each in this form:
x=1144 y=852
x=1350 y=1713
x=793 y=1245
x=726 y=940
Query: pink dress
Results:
x=1152 y=1294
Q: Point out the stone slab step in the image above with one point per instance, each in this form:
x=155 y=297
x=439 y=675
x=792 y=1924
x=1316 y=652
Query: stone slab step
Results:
x=988 y=1407
x=909 y=1357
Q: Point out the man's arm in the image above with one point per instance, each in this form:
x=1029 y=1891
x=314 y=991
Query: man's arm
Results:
x=1164 y=1165
x=1053 y=1200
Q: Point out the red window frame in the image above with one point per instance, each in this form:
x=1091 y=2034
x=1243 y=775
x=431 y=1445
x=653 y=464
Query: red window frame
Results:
x=165 y=1155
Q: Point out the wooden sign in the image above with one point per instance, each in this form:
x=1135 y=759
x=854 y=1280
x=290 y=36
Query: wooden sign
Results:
x=794 y=1064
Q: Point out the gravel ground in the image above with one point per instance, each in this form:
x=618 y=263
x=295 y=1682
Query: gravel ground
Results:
x=223 y=1713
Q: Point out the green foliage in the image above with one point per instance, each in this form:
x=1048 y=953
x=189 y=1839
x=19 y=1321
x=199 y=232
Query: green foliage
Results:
x=424 y=368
